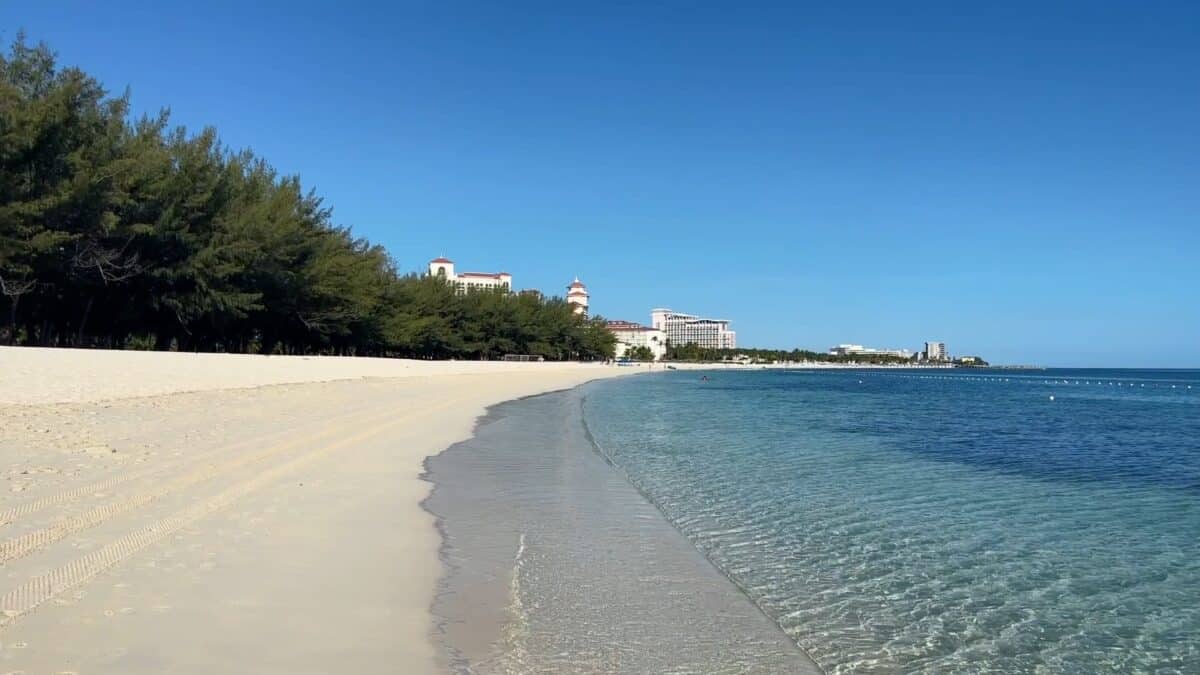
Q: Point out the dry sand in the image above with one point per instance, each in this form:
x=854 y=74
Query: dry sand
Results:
x=190 y=513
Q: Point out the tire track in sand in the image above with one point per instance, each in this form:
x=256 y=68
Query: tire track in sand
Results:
x=29 y=595
x=23 y=545
x=9 y=515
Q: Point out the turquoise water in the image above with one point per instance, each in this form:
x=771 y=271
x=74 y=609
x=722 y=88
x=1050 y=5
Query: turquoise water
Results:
x=935 y=521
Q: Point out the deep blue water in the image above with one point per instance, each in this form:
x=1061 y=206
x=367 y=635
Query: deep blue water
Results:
x=925 y=521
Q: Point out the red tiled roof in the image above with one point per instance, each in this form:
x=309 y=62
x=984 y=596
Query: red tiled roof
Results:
x=442 y=260
x=627 y=325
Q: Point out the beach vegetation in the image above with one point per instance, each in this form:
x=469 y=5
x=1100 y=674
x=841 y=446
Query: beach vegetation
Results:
x=640 y=353
x=695 y=353
x=124 y=232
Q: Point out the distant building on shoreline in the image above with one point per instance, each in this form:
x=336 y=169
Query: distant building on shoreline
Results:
x=469 y=281
x=578 y=297
x=859 y=350
x=936 y=351
x=681 y=329
x=632 y=335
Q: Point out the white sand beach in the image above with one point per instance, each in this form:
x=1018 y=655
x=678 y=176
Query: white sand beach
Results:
x=201 y=513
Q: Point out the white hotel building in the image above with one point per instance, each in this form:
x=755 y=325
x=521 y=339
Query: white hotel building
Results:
x=936 y=351
x=630 y=335
x=467 y=281
x=681 y=329
x=859 y=350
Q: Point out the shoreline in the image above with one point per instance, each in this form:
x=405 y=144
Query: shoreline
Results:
x=555 y=562
x=179 y=506
x=49 y=375
x=599 y=449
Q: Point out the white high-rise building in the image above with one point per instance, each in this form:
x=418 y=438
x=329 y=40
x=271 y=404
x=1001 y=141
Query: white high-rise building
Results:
x=469 y=281
x=681 y=329
x=577 y=295
x=935 y=351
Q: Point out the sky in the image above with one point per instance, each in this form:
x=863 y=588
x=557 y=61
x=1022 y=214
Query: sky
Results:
x=1020 y=180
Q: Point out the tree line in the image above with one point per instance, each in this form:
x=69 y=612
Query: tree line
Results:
x=130 y=233
x=639 y=353
x=693 y=352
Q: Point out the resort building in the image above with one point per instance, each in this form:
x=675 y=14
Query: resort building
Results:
x=936 y=351
x=630 y=335
x=577 y=295
x=859 y=350
x=469 y=281
x=681 y=329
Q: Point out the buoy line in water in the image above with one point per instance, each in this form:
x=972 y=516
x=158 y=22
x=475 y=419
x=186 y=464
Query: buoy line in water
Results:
x=1050 y=382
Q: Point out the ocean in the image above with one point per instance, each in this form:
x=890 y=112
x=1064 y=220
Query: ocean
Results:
x=884 y=521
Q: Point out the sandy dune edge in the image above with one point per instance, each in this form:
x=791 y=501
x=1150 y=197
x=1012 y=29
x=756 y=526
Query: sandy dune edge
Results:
x=237 y=527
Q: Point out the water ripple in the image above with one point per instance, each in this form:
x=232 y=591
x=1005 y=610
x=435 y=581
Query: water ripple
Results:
x=924 y=524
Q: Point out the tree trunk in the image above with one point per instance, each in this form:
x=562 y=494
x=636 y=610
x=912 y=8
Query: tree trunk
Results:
x=12 y=321
x=87 y=309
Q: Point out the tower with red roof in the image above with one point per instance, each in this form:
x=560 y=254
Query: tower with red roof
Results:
x=577 y=295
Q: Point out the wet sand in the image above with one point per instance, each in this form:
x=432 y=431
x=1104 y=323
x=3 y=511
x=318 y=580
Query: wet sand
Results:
x=557 y=564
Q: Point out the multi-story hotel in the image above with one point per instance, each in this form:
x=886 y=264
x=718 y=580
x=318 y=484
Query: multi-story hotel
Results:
x=469 y=281
x=859 y=350
x=681 y=329
x=936 y=351
x=630 y=335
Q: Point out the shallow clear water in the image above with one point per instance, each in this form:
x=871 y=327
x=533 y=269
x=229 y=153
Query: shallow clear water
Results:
x=936 y=521
x=557 y=565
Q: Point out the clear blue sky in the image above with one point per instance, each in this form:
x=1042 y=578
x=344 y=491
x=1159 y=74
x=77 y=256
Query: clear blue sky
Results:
x=1021 y=181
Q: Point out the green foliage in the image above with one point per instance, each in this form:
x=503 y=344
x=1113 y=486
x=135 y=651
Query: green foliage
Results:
x=142 y=343
x=131 y=234
x=640 y=353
